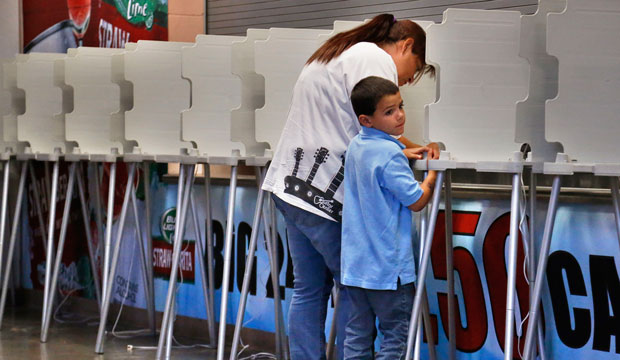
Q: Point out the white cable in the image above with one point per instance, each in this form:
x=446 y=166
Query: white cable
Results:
x=244 y=347
x=526 y=258
x=174 y=316
x=67 y=321
x=521 y=332
x=127 y=334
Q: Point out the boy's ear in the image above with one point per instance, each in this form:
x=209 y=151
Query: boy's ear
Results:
x=365 y=120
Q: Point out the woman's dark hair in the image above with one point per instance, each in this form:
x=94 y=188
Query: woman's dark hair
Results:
x=368 y=92
x=382 y=29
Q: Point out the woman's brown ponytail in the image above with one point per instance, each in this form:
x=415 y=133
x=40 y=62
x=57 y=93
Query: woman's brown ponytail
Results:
x=382 y=29
x=376 y=31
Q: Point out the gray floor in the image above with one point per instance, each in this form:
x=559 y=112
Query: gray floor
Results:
x=21 y=329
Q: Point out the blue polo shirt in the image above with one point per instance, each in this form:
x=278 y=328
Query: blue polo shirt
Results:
x=376 y=248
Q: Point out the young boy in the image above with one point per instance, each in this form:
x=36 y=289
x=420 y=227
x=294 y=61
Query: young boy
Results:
x=379 y=193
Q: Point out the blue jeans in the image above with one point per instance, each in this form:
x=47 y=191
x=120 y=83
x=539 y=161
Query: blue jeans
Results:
x=392 y=307
x=314 y=244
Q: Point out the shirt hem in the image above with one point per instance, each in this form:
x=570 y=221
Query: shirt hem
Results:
x=347 y=281
x=292 y=200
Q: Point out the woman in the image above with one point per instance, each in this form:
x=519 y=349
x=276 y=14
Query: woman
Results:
x=307 y=168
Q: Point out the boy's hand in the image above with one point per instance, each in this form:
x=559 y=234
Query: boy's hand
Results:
x=416 y=153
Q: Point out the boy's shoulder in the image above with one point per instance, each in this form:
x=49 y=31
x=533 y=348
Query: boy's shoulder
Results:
x=373 y=147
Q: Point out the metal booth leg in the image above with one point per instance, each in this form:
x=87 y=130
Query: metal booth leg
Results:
x=97 y=205
x=3 y=212
x=108 y=230
x=108 y=285
x=249 y=263
x=423 y=228
x=425 y=326
x=146 y=170
x=16 y=216
x=50 y=242
x=51 y=290
x=419 y=292
x=450 y=267
x=542 y=266
x=282 y=350
x=189 y=181
x=37 y=203
x=512 y=266
x=46 y=179
x=89 y=239
x=227 y=254
x=531 y=254
x=203 y=265
x=269 y=234
x=163 y=333
x=184 y=185
x=428 y=328
x=531 y=269
x=209 y=249
x=145 y=260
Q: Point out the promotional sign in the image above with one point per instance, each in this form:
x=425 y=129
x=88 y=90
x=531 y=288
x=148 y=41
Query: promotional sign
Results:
x=56 y=25
x=75 y=271
x=581 y=294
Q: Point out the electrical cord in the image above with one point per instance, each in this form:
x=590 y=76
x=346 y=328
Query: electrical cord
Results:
x=65 y=320
x=526 y=258
x=244 y=347
x=128 y=334
x=263 y=355
x=130 y=347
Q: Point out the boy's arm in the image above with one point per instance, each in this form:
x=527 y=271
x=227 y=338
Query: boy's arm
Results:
x=432 y=149
x=427 y=186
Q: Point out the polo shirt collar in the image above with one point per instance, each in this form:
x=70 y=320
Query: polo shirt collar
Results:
x=374 y=133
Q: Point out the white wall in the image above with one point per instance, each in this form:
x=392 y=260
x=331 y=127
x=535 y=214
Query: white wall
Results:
x=9 y=28
x=233 y=17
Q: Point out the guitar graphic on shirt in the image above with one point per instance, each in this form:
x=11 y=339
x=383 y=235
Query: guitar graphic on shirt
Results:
x=336 y=180
x=299 y=155
x=303 y=189
x=320 y=157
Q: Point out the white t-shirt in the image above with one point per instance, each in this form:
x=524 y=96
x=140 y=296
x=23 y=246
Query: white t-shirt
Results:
x=307 y=168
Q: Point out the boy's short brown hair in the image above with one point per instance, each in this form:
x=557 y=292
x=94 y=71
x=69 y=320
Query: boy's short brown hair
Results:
x=368 y=92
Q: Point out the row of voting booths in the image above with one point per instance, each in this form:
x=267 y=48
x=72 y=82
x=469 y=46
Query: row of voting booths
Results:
x=548 y=80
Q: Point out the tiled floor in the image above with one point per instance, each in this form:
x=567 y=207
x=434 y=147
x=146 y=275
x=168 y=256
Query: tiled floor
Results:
x=21 y=329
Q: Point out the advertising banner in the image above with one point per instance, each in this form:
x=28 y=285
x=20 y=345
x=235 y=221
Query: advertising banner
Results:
x=56 y=25
x=75 y=274
x=581 y=294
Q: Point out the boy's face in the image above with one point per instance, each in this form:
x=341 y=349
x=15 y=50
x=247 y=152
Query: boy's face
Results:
x=389 y=116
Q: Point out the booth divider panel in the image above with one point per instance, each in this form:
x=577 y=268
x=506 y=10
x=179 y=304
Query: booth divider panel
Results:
x=280 y=59
x=216 y=91
x=585 y=116
x=42 y=124
x=160 y=94
x=543 y=83
x=96 y=98
x=481 y=80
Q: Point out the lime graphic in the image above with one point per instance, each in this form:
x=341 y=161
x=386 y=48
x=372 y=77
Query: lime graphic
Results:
x=167 y=224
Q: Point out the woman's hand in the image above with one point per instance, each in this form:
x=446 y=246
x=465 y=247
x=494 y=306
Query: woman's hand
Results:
x=434 y=151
